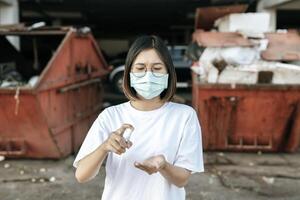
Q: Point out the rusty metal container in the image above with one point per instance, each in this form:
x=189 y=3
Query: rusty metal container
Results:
x=260 y=117
x=51 y=119
x=248 y=117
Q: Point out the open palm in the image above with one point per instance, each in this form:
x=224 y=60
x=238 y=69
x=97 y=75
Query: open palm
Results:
x=152 y=164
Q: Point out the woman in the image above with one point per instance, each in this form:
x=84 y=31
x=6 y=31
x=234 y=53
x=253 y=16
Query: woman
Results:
x=165 y=146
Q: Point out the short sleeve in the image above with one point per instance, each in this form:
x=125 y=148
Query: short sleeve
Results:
x=96 y=135
x=190 y=152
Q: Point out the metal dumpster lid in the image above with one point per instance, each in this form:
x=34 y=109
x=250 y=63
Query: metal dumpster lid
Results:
x=220 y=39
x=206 y=16
x=282 y=46
x=20 y=29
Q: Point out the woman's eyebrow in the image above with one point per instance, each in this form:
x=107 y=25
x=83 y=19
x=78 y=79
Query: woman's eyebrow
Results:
x=139 y=64
x=157 y=63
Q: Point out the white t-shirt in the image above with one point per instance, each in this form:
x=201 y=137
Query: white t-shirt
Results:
x=172 y=130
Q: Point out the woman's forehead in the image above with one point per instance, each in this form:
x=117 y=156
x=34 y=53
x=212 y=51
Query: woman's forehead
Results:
x=148 y=56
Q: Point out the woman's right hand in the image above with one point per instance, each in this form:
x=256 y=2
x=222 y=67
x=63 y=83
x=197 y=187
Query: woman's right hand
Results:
x=116 y=142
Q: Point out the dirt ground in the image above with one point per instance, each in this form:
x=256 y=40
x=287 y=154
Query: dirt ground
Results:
x=228 y=176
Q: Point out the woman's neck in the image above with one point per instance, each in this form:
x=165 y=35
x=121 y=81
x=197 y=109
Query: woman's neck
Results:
x=147 y=105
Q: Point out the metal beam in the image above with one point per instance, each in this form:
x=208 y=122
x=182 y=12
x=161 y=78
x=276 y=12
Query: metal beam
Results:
x=274 y=3
x=5 y=2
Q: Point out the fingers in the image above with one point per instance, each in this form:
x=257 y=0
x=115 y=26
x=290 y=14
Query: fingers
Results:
x=121 y=141
x=116 y=142
x=116 y=148
x=149 y=169
x=122 y=129
x=141 y=167
x=129 y=144
x=150 y=166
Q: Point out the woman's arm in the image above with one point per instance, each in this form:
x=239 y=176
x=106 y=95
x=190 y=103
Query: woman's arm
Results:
x=89 y=166
x=176 y=175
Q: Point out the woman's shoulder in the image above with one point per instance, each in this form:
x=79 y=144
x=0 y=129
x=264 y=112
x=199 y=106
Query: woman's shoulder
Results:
x=183 y=108
x=110 y=110
x=117 y=106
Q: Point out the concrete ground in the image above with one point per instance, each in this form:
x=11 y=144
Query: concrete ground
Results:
x=228 y=176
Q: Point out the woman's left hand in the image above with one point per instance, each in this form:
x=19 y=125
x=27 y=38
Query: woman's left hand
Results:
x=152 y=165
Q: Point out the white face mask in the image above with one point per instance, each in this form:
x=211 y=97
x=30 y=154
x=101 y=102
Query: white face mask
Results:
x=149 y=86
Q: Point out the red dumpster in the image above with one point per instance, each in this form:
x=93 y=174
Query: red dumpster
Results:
x=248 y=117
x=50 y=119
x=241 y=117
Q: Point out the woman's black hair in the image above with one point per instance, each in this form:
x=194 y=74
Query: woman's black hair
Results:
x=147 y=42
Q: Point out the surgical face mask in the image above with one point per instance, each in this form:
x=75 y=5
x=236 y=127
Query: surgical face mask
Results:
x=149 y=86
